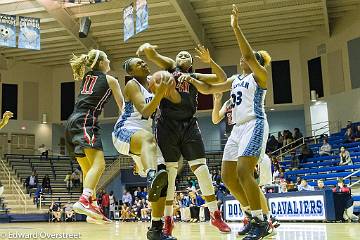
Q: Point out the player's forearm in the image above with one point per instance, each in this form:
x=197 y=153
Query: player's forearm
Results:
x=174 y=96
x=244 y=45
x=160 y=60
x=151 y=107
x=3 y=122
x=216 y=115
x=218 y=71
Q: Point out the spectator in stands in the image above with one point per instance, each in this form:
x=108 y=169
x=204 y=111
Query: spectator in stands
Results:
x=283 y=187
x=325 y=149
x=280 y=140
x=75 y=178
x=184 y=207
x=221 y=193
x=289 y=138
x=304 y=186
x=55 y=211
x=321 y=185
x=43 y=151
x=112 y=201
x=143 y=194
x=357 y=133
x=31 y=181
x=191 y=182
x=127 y=198
x=306 y=152
x=216 y=176
x=176 y=207
x=298 y=181
x=276 y=172
x=38 y=193
x=294 y=161
x=345 y=158
x=125 y=211
x=105 y=204
x=194 y=209
x=272 y=144
x=68 y=181
x=349 y=136
x=350 y=125
x=46 y=183
x=145 y=210
x=348 y=214
x=136 y=208
x=137 y=192
x=69 y=212
x=297 y=134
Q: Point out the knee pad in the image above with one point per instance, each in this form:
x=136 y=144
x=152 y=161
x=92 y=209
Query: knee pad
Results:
x=200 y=161
x=204 y=179
x=172 y=168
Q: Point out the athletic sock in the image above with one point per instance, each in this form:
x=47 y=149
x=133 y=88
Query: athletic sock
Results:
x=246 y=210
x=87 y=193
x=257 y=214
x=168 y=210
x=212 y=206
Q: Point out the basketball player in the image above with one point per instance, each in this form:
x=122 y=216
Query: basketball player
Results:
x=6 y=117
x=218 y=113
x=247 y=142
x=177 y=130
x=133 y=135
x=82 y=131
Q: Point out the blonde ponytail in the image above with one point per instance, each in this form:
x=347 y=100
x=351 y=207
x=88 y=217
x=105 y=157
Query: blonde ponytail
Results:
x=266 y=56
x=90 y=60
x=78 y=65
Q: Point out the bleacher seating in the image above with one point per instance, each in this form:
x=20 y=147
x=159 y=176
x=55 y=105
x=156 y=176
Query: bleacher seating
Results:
x=56 y=167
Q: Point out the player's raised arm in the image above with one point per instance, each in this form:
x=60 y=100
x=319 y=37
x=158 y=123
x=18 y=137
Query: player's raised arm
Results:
x=206 y=88
x=218 y=75
x=150 y=52
x=7 y=115
x=256 y=60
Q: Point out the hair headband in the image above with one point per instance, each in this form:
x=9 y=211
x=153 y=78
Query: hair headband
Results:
x=96 y=58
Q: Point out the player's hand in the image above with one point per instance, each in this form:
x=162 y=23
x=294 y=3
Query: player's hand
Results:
x=217 y=97
x=229 y=103
x=203 y=54
x=185 y=78
x=234 y=16
x=8 y=115
x=142 y=48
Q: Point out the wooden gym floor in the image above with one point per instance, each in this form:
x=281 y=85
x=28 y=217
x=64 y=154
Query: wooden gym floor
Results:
x=183 y=231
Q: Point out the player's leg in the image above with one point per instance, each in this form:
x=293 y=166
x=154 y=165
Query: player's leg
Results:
x=84 y=206
x=250 y=149
x=168 y=136
x=229 y=177
x=143 y=143
x=193 y=150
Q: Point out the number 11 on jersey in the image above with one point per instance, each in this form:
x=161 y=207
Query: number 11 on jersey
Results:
x=89 y=84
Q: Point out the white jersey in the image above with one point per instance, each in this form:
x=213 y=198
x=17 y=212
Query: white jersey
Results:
x=132 y=118
x=248 y=99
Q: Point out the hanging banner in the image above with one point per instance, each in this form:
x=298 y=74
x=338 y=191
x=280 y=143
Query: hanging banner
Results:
x=29 y=35
x=7 y=30
x=142 y=16
x=129 y=30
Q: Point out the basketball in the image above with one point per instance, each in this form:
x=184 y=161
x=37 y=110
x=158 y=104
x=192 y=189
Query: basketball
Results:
x=156 y=79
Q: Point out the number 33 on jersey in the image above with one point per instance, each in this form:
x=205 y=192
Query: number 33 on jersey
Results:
x=247 y=99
